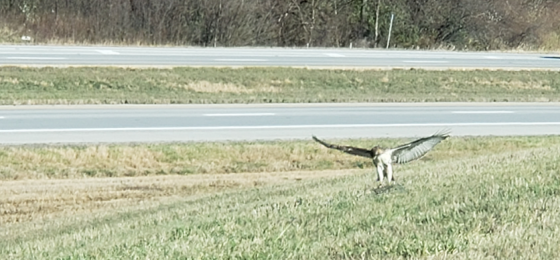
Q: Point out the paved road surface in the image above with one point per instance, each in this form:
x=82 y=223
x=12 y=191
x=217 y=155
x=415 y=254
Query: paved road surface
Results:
x=150 y=56
x=137 y=123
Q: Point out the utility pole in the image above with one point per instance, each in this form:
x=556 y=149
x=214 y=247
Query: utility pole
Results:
x=390 y=28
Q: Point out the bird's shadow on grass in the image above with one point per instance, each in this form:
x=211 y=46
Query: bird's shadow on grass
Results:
x=388 y=188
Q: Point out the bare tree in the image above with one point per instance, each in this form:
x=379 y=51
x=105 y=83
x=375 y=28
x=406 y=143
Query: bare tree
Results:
x=465 y=24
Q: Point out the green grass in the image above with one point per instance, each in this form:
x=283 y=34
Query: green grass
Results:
x=476 y=204
x=92 y=85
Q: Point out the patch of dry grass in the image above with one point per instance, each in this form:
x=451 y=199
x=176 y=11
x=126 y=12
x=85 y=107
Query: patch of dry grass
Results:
x=36 y=200
x=551 y=42
x=56 y=162
x=9 y=35
x=515 y=85
x=210 y=87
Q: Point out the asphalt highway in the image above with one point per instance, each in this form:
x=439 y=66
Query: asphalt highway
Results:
x=168 y=123
x=34 y=55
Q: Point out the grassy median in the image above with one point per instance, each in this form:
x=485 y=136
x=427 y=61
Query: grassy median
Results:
x=105 y=85
x=491 y=197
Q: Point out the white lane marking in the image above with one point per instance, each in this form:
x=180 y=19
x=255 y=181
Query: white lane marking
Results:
x=35 y=58
x=107 y=52
x=335 y=54
x=482 y=112
x=424 y=61
x=492 y=57
x=187 y=128
x=239 y=59
x=242 y=114
x=1 y=117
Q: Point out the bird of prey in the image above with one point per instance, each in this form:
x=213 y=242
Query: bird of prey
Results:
x=383 y=158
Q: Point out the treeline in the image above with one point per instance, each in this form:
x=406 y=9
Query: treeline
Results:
x=459 y=24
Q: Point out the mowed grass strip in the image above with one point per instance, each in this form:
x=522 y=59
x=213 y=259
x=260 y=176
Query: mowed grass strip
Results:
x=37 y=200
x=127 y=160
x=105 y=85
x=502 y=203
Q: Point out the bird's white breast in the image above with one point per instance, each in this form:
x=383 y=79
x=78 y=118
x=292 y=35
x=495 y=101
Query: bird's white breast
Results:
x=385 y=158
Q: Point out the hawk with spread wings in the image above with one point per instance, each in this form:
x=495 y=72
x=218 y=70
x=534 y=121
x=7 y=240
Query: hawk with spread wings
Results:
x=384 y=158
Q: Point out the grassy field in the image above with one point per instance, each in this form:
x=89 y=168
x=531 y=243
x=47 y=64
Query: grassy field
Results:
x=93 y=85
x=471 y=198
x=117 y=160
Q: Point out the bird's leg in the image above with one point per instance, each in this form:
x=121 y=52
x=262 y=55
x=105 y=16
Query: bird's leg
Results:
x=380 y=172
x=389 y=172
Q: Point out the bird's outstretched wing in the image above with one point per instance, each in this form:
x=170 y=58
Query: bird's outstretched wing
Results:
x=347 y=149
x=416 y=149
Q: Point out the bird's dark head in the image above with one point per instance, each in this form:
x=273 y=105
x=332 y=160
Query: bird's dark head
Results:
x=376 y=151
